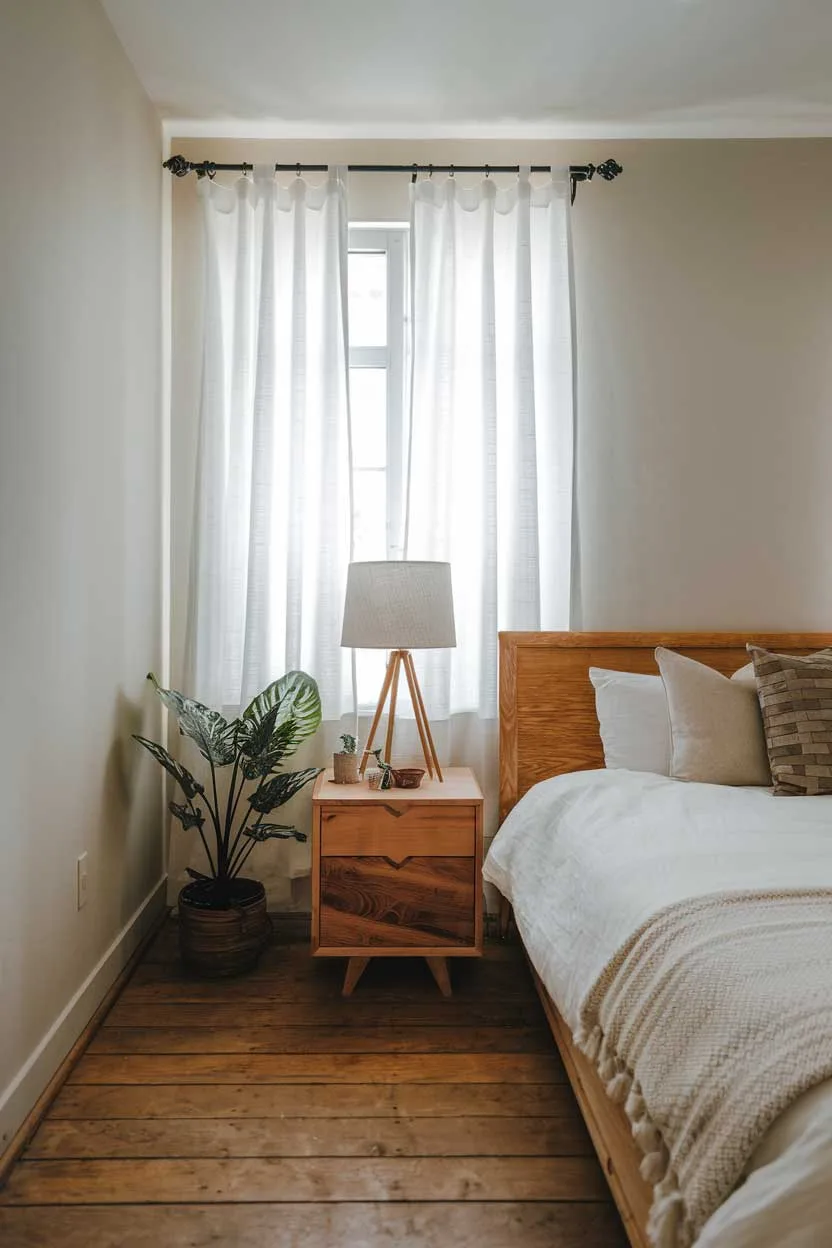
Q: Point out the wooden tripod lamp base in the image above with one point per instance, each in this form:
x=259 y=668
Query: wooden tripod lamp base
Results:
x=402 y=659
x=400 y=605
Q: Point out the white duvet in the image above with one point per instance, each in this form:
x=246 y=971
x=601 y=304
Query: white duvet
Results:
x=587 y=857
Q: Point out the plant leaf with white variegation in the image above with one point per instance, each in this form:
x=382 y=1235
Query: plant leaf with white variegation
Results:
x=272 y=831
x=255 y=763
x=187 y=817
x=254 y=735
x=211 y=731
x=187 y=783
x=277 y=790
x=296 y=697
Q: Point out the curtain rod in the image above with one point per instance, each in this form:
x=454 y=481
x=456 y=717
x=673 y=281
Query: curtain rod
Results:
x=180 y=168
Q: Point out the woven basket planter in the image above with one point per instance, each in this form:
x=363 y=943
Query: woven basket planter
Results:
x=216 y=939
x=345 y=768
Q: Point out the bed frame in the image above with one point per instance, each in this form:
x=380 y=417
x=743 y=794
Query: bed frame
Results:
x=548 y=726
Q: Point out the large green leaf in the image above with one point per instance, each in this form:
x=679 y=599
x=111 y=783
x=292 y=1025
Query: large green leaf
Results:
x=254 y=762
x=187 y=817
x=189 y=786
x=254 y=735
x=274 y=831
x=296 y=697
x=211 y=731
x=277 y=790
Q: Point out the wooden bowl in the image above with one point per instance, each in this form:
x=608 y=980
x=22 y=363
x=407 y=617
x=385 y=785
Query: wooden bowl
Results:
x=408 y=777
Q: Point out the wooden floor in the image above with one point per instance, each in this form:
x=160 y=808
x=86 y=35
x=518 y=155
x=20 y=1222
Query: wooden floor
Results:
x=268 y=1111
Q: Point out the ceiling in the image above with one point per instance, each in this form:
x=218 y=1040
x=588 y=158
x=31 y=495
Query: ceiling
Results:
x=536 y=68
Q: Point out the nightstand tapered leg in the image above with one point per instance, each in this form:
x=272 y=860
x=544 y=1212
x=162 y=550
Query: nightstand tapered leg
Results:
x=355 y=969
x=439 y=971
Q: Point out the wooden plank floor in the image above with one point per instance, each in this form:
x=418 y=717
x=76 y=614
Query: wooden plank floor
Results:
x=268 y=1111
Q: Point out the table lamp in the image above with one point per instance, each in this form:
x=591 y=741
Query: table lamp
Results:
x=400 y=605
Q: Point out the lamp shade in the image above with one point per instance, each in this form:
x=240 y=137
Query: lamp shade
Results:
x=399 y=605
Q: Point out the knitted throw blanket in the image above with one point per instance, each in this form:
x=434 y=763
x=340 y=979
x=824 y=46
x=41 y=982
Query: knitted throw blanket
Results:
x=706 y=1025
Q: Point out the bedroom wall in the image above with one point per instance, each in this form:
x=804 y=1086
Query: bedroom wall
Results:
x=80 y=527
x=704 y=281
x=704 y=303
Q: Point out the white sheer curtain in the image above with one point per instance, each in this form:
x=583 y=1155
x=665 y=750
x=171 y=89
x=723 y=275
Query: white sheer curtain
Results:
x=490 y=459
x=271 y=535
x=272 y=524
x=491 y=455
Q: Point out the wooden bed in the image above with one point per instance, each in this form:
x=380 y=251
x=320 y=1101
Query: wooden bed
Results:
x=548 y=726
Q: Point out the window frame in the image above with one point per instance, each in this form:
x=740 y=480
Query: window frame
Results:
x=394 y=241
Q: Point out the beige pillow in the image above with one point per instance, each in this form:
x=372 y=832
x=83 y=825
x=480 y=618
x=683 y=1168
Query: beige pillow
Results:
x=716 y=726
x=796 y=697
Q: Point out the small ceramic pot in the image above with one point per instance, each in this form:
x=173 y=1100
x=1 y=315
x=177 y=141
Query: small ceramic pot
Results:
x=407 y=777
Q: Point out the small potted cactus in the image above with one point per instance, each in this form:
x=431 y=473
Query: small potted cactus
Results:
x=345 y=761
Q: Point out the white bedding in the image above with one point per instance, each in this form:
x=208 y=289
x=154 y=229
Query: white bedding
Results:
x=587 y=857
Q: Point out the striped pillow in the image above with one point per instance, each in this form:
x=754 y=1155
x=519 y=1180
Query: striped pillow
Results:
x=795 y=695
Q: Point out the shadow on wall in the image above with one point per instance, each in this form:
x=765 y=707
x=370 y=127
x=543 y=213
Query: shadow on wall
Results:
x=131 y=806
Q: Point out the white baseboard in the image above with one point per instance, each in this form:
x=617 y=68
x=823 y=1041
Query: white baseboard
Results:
x=20 y=1096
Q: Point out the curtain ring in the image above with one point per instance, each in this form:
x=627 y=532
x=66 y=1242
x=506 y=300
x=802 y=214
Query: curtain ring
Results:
x=487 y=172
x=414 y=173
x=450 y=171
x=430 y=171
x=297 y=170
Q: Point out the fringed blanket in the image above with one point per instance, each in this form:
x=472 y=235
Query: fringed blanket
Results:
x=706 y=1025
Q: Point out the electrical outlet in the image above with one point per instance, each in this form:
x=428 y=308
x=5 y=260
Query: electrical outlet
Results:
x=82 y=880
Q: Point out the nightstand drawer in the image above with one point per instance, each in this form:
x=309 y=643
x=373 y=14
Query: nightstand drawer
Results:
x=398 y=830
x=423 y=903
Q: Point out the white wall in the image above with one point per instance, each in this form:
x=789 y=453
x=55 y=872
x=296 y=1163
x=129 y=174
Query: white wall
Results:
x=80 y=527
x=704 y=280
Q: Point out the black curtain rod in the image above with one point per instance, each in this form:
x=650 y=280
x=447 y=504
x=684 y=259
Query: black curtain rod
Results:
x=180 y=167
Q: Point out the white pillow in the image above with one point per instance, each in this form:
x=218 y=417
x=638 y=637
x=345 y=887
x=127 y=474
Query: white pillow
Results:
x=634 y=721
x=746 y=675
x=716 y=725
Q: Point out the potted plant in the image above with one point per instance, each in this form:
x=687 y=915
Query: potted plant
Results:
x=345 y=761
x=223 y=924
x=385 y=771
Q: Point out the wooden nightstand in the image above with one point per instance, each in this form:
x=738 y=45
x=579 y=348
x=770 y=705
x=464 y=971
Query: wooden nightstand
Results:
x=397 y=873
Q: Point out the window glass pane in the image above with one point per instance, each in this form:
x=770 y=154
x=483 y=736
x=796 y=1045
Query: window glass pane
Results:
x=368 y=298
x=370 y=513
x=368 y=416
x=369 y=670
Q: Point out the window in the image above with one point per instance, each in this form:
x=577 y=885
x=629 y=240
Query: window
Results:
x=378 y=302
x=377 y=318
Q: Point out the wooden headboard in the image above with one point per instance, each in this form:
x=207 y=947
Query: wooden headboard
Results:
x=547 y=704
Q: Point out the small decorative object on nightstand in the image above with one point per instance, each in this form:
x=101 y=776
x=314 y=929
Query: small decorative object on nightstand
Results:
x=345 y=761
x=397 y=874
x=407 y=777
x=383 y=770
